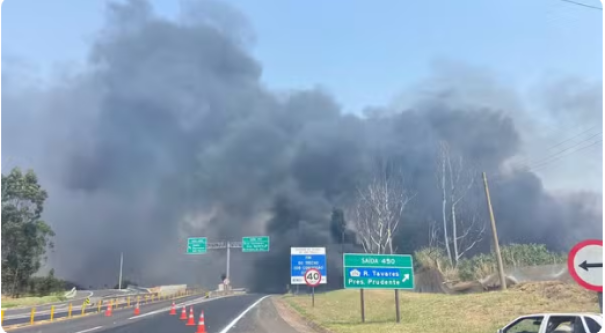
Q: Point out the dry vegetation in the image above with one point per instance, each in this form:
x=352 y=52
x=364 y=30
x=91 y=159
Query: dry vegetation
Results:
x=339 y=311
x=10 y=302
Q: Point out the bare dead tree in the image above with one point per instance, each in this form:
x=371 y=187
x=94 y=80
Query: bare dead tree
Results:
x=443 y=156
x=378 y=211
x=433 y=235
x=472 y=233
x=456 y=179
x=367 y=235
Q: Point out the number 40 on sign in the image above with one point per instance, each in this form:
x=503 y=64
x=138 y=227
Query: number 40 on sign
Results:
x=312 y=277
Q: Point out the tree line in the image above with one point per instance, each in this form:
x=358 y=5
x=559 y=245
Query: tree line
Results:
x=25 y=236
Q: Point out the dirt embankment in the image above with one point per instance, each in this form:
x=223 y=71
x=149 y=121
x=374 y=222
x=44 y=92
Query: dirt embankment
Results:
x=430 y=280
x=557 y=290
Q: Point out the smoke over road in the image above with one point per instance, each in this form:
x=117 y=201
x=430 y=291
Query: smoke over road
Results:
x=169 y=133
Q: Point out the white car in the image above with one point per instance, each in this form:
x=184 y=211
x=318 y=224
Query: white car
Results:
x=556 y=323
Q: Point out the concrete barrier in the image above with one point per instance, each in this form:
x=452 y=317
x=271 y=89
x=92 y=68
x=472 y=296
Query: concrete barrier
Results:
x=171 y=289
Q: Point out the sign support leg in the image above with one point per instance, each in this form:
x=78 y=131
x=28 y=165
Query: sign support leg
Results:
x=600 y=301
x=312 y=297
x=363 y=310
x=398 y=314
x=228 y=261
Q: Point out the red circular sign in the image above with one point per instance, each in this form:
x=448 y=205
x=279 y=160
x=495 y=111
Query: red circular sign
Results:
x=573 y=266
x=312 y=277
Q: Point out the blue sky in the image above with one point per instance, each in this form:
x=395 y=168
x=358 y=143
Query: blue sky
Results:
x=364 y=52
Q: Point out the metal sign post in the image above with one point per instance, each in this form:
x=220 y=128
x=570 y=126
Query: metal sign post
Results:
x=312 y=279
x=600 y=302
x=200 y=245
x=363 y=307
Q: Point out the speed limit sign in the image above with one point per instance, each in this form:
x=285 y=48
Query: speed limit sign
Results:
x=312 y=277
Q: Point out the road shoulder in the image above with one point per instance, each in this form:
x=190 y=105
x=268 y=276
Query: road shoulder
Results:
x=294 y=319
x=273 y=315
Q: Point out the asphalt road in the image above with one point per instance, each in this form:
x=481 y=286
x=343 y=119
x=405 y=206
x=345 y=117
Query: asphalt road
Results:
x=221 y=316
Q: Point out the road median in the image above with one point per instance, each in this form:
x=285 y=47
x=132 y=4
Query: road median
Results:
x=81 y=310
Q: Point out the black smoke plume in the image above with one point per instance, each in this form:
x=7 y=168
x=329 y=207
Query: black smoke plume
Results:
x=168 y=133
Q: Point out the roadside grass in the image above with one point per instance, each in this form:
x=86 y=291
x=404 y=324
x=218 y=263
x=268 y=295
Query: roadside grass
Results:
x=10 y=302
x=339 y=311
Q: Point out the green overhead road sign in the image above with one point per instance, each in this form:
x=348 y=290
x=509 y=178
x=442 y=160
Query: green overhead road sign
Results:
x=196 y=245
x=255 y=244
x=378 y=271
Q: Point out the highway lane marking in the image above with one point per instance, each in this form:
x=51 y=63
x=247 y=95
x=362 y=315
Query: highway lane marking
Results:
x=90 y=329
x=241 y=315
x=193 y=302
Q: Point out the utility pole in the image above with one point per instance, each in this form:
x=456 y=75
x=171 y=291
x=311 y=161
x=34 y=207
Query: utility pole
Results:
x=342 y=253
x=495 y=234
x=121 y=265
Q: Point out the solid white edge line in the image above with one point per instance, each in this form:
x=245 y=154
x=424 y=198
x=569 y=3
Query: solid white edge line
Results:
x=231 y=324
x=90 y=329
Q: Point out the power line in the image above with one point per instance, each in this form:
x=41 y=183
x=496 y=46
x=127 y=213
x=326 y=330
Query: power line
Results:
x=531 y=164
x=585 y=149
x=583 y=4
x=558 y=154
x=526 y=161
x=542 y=166
x=548 y=161
x=573 y=137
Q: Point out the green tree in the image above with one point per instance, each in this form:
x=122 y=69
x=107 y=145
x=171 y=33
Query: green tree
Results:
x=25 y=237
x=46 y=285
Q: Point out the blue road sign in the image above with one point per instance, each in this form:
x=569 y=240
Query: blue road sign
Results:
x=303 y=258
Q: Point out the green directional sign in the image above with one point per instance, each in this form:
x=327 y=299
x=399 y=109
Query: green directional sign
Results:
x=255 y=244
x=196 y=245
x=378 y=271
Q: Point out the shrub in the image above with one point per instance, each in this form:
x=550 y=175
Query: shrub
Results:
x=485 y=264
x=44 y=286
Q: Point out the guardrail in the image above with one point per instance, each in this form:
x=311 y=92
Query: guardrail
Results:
x=164 y=290
x=112 y=302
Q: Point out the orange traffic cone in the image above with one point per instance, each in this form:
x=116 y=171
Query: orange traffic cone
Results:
x=108 y=310
x=201 y=326
x=183 y=314
x=137 y=311
x=173 y=310
x=191 y=321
